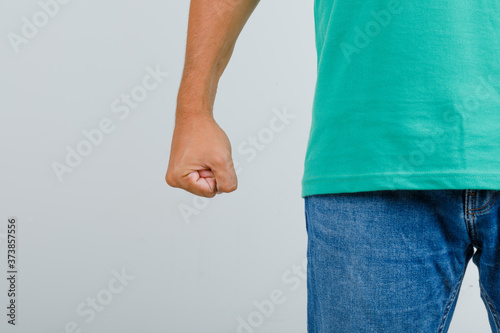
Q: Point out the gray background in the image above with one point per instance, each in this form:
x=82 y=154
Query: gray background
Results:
x=194 y=272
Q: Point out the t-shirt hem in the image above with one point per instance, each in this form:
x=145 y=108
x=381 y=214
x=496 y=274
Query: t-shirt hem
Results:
x=388 y=181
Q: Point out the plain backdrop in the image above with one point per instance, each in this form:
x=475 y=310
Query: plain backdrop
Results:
x=186 y=265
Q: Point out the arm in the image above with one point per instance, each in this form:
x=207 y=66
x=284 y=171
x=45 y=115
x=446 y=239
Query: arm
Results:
x=200 y=156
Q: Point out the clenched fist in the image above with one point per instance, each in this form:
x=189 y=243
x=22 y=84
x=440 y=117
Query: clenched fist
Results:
x=200 y=157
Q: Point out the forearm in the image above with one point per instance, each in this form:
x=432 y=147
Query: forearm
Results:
x=213 y=28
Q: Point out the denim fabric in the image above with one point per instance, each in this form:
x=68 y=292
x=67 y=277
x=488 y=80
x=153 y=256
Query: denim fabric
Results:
x=393 y=260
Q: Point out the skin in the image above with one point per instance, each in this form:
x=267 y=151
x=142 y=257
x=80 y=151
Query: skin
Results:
x=200 y=155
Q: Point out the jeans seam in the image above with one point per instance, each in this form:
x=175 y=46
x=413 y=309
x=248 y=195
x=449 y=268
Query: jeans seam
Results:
x=490 y=203
x=473 y=222
x=451 y=300
x=311 y=289
x=470 y=218
x=306 y=209
x=490 y=306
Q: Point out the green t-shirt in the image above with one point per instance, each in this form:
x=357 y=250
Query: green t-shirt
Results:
x=407 y=96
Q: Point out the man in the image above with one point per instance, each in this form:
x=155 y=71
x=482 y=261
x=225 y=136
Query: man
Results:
x=402 y=171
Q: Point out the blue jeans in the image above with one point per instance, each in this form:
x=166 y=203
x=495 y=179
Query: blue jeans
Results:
x=393 y=260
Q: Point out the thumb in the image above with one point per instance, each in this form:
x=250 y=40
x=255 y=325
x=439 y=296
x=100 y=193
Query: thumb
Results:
x=201 y=182
x=225 y=178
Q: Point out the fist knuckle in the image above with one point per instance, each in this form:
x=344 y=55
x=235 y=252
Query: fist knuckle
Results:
x=233 y=187
x=207 y=195
x=168 y=180
x=229 y=188
x=171 y=179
